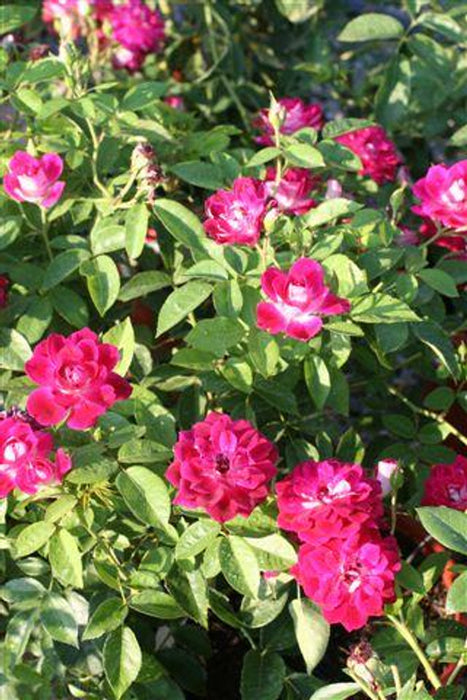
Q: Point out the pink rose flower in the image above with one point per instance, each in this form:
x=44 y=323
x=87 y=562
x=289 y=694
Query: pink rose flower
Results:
x=384 y=471
x=291 y=194
x=352 y=578
x=138 y=28
x=223 y=466
x=236 y=216
x=298 y=115
x=377 y=152
x=297 y=300
x=34 y=180
x=26 y=462
x=443 y=195
x=319 y=500
x=447 y=485
x=76 y=381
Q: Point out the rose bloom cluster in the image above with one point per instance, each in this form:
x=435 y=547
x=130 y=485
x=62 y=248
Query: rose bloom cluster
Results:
x=236 y=216
x=77 y=384
x=134 y=29
x=345 y=565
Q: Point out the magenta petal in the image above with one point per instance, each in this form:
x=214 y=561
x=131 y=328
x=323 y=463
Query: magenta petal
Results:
x=333 y=305
x=42 y=406
x=21 y=163
x=84 y=415
x=304 y=330
x=12 y=188
x=54 y=194
x=52 y=165
x=269 y=318
x=306 y=270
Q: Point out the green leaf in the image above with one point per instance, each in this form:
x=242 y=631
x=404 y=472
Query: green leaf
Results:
x=459 y=137
x=180 y=303
x=16 y=14
x=144 y=283
x=336 y=127
x=22 y=593
x=443 y=24
x=239 y=374
x=338 y=156
x=207 y=269
x=10 y=229
x=239 y=565
x=297 y=12
x=329 y=210
x=456 y=601
x=439 y=281
x=440 y=399
x=62 y=266
x=33 y=537
x=336 y=691
x=273 y=552
x=107 y=236
x=122 y=660
x=96 y=469
x=381 y=308
x=200 y=174
x=181 y=223
x=311 y=631
x=263 y=676
x=136 y=229
x=70 y=306
x=263 y=156
x=59 y=620
x=103 y=281
x=196 y=538
x=350 y=279
x=18 y=632
x=446 y=525
x=304 y=156
x=33 y=324
x=122 y=336
x=146 y=495
x=264 y=352
x=156 y=604
x=14 y=350
x=189 y=588
x=439 y=343
x=65 y=559
x=371 y=26
x=409 y=577
x=109 y=615
x=143 y=95
x=216 y=335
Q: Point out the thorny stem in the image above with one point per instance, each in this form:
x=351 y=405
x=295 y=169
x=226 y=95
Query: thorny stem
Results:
x=45 y=233
x=416 y=648
x=428 y=414
x=457 y=669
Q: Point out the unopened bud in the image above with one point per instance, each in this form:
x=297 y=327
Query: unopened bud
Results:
x=386 y=470
x=276 y=114
x=333 y=189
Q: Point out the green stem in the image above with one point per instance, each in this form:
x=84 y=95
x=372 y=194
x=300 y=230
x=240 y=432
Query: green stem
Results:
x=428 y=414
x=95 y=147
x=365 y=688
x=457 y=669
x=45 y=233
x=416 y=648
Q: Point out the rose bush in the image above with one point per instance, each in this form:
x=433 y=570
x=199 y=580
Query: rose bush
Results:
x=233 y=436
